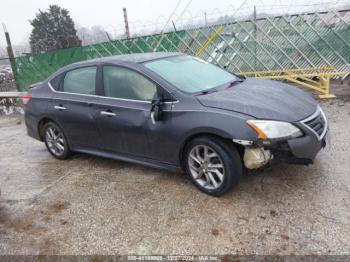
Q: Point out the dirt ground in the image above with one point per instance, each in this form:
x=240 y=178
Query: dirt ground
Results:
x=91 y=205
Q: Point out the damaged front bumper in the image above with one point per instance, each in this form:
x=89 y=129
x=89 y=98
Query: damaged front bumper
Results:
x=256 y=157
x=301 y=150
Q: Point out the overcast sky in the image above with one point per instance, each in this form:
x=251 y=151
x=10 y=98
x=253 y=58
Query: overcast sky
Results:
x=108 y=13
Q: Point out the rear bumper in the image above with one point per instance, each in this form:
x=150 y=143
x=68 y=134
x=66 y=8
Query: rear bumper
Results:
x=32 y=126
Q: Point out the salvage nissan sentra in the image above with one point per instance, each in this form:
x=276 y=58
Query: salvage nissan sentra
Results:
x=175 y=111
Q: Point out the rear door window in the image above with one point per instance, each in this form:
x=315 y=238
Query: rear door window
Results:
x=80 y=81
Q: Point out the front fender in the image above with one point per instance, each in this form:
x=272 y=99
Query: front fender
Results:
x=222 y=124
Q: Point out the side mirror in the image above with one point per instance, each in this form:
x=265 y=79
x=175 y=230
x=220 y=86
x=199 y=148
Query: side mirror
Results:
x=156 y=110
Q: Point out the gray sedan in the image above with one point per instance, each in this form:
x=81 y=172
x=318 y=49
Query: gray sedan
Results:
x=173 y=111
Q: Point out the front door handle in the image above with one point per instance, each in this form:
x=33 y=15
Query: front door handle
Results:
x=107 y=113
x=60 y=107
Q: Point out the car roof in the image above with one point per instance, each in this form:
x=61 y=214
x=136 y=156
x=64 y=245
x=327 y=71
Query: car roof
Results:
x=130 y=58
x=135 y=58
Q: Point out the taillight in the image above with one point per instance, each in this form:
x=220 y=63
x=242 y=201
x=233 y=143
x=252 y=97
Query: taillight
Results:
x=25 y=99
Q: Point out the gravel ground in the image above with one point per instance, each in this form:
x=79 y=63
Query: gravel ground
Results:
x=91 y=205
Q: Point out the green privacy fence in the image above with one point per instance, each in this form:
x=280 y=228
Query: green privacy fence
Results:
x=32 y=69
x=272 y=43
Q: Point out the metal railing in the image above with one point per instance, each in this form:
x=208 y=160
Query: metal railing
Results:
x=316 y=79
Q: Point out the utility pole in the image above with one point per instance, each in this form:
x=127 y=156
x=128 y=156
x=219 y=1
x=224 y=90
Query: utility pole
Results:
x=255 y=51
x=10 y=53
x=127 y=32
x=174 y=25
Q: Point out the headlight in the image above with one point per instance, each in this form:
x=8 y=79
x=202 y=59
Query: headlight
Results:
x=267 y=129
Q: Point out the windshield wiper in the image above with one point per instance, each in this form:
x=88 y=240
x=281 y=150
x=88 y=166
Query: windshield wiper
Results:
x=234 y=82
x=222 y=87
x=205 y=92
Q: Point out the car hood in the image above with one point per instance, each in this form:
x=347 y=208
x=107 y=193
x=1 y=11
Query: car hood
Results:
x=263 y=99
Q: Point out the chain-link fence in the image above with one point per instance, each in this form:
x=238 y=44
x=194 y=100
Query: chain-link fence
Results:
x=6 y=76
x=265 y=43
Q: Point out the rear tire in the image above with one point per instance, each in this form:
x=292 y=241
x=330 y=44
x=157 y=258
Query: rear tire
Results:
x=213 y=166
x=55 y=141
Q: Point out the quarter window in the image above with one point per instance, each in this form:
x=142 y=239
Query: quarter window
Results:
x=56 y=82
x=80 y=81
x=124 y=83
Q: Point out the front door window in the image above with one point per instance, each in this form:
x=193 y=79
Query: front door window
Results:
x=124 y=83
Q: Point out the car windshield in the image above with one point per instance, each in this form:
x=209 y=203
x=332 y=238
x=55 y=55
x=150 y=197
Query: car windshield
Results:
x=190 y=74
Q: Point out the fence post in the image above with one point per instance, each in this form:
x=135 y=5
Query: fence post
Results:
x=255 y=42
x=127 y=32
x=11 y=55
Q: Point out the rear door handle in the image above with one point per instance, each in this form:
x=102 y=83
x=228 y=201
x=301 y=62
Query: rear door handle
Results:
x=107 y=113
x=60 y=108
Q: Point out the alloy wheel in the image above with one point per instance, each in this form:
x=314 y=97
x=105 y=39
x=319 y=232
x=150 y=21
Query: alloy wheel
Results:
x=206 y=167
x=55 y=141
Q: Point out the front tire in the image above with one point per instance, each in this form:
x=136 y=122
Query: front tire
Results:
x=213 y=166
x=55 y=141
